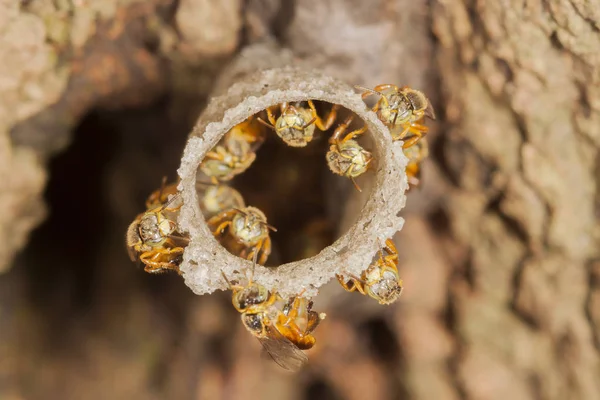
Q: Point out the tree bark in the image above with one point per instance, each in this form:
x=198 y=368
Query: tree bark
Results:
x=500 y=249
x=521 y=105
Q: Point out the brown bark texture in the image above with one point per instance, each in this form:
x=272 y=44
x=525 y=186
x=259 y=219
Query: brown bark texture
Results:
x=520 y=91
x=500 y=252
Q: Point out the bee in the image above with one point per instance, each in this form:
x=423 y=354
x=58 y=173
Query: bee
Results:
x=380 y=280
x=416 y=154
x=260 y=317
x=296 y=124
x=247 y=232
x=401 y=109
x=234 y=153
x=218 y=198
x=298 y=321
x=249 y=131
x=152 y=238
x=345 y=156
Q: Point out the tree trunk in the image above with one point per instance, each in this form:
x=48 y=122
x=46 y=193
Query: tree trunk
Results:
x=500 y=252
x=521 y=134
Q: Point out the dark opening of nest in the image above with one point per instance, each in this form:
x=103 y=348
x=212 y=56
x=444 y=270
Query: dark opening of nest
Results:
x=296 y=189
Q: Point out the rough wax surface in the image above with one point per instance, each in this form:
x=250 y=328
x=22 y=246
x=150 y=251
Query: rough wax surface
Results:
x=205 y=259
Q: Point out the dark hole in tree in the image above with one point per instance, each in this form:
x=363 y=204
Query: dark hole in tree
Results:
x=319 y=389
x=76 y=264
x=382 y=340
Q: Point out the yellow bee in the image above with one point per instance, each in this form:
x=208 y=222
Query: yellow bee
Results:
x=216 y=199
x=247 y=232
x=380 y=280
x=401 y=109
x=249 y=131
x=234 y=153
x=152 y=238
x=416 y=154
x=296 y=124
x=345 y=156
x=277 y=331
x=298 y=321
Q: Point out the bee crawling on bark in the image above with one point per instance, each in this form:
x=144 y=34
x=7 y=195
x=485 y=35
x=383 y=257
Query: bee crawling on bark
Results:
x=282 y=333
x=234 y=153
x=296 y=123
x=402 y=110
x=244 y=232
x=380 y=280
x=416 y=154
x=152 y=237
x=345 y=156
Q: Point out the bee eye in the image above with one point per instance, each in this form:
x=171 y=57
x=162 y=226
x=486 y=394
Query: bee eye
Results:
x=417 y=100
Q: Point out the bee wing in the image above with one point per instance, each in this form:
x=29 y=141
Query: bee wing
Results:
x=282 y=351
x=132 y=254
x=131 y=238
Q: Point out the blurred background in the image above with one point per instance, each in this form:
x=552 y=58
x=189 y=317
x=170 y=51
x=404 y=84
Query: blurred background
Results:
x=499 y=253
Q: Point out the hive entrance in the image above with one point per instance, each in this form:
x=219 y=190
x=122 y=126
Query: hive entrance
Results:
x=291 y=185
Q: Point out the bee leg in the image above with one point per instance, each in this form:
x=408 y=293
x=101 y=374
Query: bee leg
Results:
x=359 y=284
x=412 y=140
x=221 y=227
x=401 y=135
x=339 y=131
x=294 y=307
x=386 y=86
x=160 y=259
x=349 y=286
x=219 y=218
x=264 y=247
x=390 y=247
x=355 y=133
x=416 y=127
x=323 y=126
x=215 y=155
x=366 y=92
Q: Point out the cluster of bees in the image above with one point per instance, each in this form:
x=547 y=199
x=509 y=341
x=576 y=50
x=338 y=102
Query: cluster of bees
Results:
x=284 y=326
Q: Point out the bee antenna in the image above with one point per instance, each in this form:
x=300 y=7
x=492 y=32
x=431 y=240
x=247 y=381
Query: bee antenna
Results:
x=356 y=278
x=348 y=121
x=270 y=227
x=309 y=123
x=199 y=182
x=356 y=185
x=240 y=210
x=180 y=237
x=254 y=260
x=171 y=200
x=380 y=248
x=368 y=90
x=265 y=123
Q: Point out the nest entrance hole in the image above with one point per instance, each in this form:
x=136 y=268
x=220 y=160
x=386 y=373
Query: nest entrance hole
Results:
x=297 y=191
